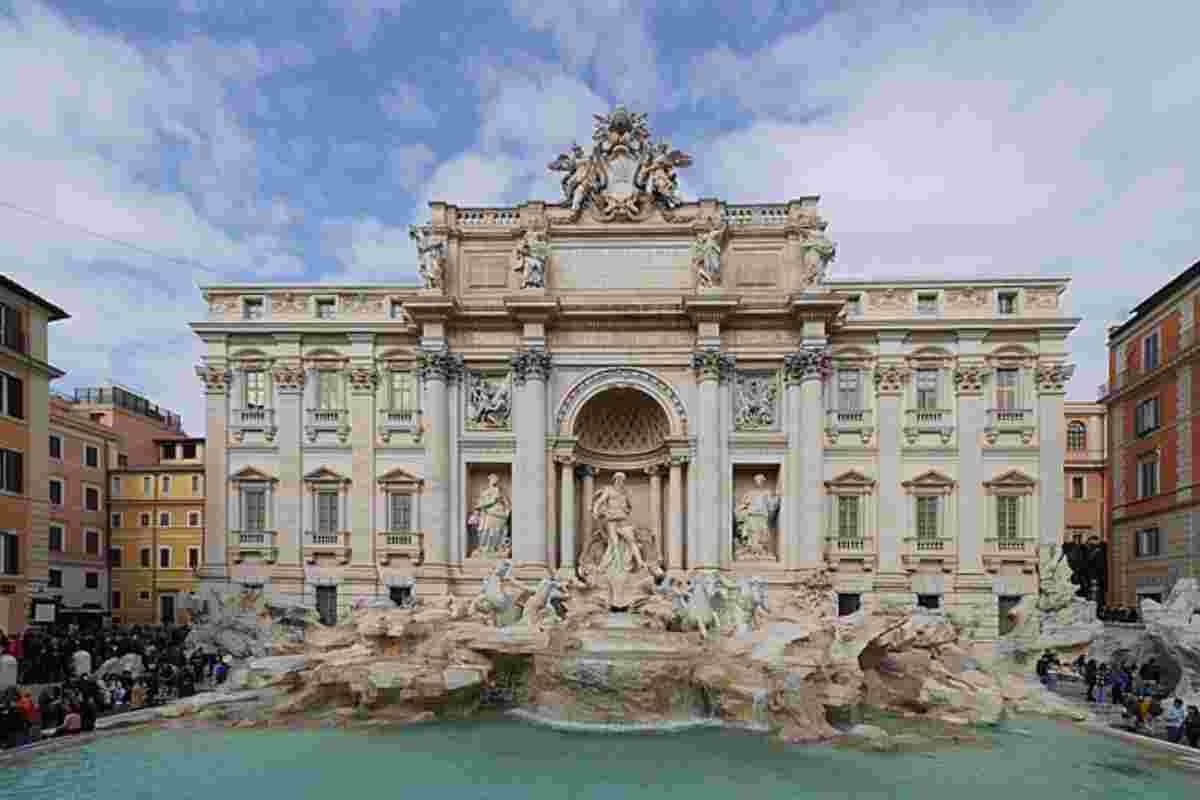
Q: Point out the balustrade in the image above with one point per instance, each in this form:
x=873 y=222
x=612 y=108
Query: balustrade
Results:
x=253 y=543
x=400 y=544
x=327 y=543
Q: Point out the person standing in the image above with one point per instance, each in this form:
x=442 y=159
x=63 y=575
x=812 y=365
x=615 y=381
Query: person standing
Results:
x=1174 y=718
x=1191 y=726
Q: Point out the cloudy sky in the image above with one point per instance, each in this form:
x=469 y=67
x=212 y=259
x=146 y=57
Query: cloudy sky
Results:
x=237 y=140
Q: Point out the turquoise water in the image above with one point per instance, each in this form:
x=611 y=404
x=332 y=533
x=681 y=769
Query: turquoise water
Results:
x=499 y=759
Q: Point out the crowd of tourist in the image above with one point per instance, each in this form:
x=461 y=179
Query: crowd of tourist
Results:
x=71 y=695
x=1117 y=614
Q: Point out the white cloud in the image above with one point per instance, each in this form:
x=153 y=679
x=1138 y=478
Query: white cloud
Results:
x=402 y=102
x=409 y=163
x=369 y=250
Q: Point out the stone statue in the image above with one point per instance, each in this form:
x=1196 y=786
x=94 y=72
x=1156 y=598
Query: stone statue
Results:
x=431 y=256
x=614 y=557
x=489 y=404
x=816 y=252
x=503 y=607
x=656 y=173
x=706 y=256
x=491 y=517
x=756 y=397
x=612 y=506
x=547 y=606
x=530 y=257
x=755 y=515
x=583 y=175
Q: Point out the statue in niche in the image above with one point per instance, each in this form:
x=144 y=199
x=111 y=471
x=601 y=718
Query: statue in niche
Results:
x=489 y=403
x=490 y=521
x=431 y=255
x=755 y=402
x=614 y=556
x=817 y=251
x=530 y=257
x=706 y=256
x=755 y=518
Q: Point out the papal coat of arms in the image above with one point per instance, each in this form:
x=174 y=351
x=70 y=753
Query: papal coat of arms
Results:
x=625 y=175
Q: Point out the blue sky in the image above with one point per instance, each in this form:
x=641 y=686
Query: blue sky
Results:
x=296 y=141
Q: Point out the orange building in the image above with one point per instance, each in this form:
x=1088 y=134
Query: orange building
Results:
x=1152 y=397
x=131 y=416
x=1086 y=516
x=25 y=376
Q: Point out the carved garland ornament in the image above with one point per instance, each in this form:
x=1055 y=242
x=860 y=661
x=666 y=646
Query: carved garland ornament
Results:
x=890 y=378
x=621 y=377
x=1053 y=378
x=969 y=379
x=216 y=379
x=289 y=378
x=712 y=365
x=363 y=379
x=530 y=365
x=439 y=365
x=809 y=363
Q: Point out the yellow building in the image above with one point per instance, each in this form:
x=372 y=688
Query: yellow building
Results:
x=156 y=519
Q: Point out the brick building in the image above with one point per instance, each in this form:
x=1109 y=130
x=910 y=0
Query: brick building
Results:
x=1086 y=490
x=1151 y=398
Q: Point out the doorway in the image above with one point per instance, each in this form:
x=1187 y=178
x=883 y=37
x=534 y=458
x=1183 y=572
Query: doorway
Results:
x=166 y=609
x=327 y=604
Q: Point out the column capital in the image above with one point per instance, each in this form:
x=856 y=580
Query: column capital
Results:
x=712 y=365
x=806 y=364
x=1053 y=378
x=968 y=379
x=216 y=378
x=289 y=378
x=531 y=365
x=890 y=378
x=565 y=459
x=652 y=470
x=439 y=365
x=678 y=460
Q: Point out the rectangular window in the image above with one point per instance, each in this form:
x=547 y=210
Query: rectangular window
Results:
x=195 y=484
x=12 y=396
x=55 y=581
x=397 y=310
x=147 y=489
x=1147 y=543
x=122 y=461
x=166 y=484
x=400 y=510
x=252 y=308
x=927 y=389
x=327 y=508
x=114 y=519
x=1147 y=416
x=91 y=542
x=1147 y=477
x=1150 y=351
x=11 y=334
x=56 y=492
x=91 y=456
x=1006 y=303
x=56 y=443
x=256 y=388
x=10 y=547
x=854 y=305
x=1077 y=487
x=91 y=580
x=193 y=558
x=115 y=488
x=114 y=556
x=164 y=557
x=12 y=471
x=56 y=538
x=144 y=519
x=143 y=596
x=116 y=600
x=256 y=509
x=402 y=392
x=1006 y=389
x=144 y=557
x=849 y=390
x=927 y=518
x=848 y=603
x=848 y=517
x=326 y=309
x=328 y=396
x=927 y=304
x=91 y=499
x=1007 y=508
x=193 y=519
x=189 y=450
x=168 y=451
x=930 y=602
x=164 y=519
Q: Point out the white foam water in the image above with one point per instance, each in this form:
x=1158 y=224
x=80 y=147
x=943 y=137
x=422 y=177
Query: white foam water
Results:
x=581 y=726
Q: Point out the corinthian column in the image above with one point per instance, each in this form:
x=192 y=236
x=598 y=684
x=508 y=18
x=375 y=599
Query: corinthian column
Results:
x=706 y=526
x=566 y=488
x=970 y=416
x=531 y=371
x=438 y=370
x=655 y=473
x=675 y=514
x=806 y=371
x=1051 y=380
x=216 y=470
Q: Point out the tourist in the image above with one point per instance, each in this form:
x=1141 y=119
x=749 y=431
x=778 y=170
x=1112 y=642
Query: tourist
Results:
x=72 y=723
x=29 y=710
x=1174 y=718
x=1135 y=712
x=1090 y=674
x=87 y=715
x=138 y=695
x=1191 y=726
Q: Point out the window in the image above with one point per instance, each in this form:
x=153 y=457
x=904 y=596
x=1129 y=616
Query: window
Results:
x=12 y=471
x=1006 y=389
x=1147 y=416
x=193 y=558
x=168 y=451
x=164 y=557
x=326 y=309
x=144 y=557
x=854 y=305
x=122 y=461
x=9 y=550
x=1006 y=303
x=1147 y=543
x=1150 y=351
x=189 y=450
x=143 y=596
x=1079 y=535
x=195 y=484
x=91 y=580
x=115 y=485
x=1078 y=485
x=91 y=456
x=91 y=499
x=11 y=334
x=927 y=389
x=327 y=390
x=397 y=310
x=56 y=443
x=252 y=308
x=147 y=489
x=166 y=484
x=144 y=519
x=114 y=556
x=849 y=390
x=164 y=519
x=55 y=581
x=256 y=510
x=116 y=600
x=927 y=304
x=930 y=602
x=12 y=396
x=400 y=512
x=848 y=603
x=193 y=518
x=91 y=542
x=1076 y=436
x=1007 y=522
x=402 y=392
x=1147 y=477
x=327 y=508
x=847 y=517
x=114 y=519
x=927 y=517
x=56 y=538
x=56 y=492
x=256 y=388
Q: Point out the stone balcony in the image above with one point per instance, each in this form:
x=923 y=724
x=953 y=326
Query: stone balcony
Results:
x=1018 y=421
x=260 y=544
x=1022 y=552
x=860 y=550
x=259 y=420
x=921 y=421
x=400 y=544
x=327 y=543
x=327 y=420
x=922 y=551
x=404 y=421
x=857 y=421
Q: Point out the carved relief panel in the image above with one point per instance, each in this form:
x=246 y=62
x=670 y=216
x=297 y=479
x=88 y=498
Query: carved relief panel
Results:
x=489 y=400
x=756 y=400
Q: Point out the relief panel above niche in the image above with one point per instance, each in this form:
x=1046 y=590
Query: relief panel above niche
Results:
x=488 y=270
x=755 y=267
x=620 y=264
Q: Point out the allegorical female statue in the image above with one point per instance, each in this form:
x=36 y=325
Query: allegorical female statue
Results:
x=706 y=256
x=491 y=514
x=755 y=516
x=529 y=258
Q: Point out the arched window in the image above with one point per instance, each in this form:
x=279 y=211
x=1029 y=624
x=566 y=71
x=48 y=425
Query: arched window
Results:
x=1076 y=436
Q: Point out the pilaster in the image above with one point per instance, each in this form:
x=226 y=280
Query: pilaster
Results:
x=807 y=370
x=438 y=370
x=1051 y=381
x=675 y=531
x=706 y=527
x=290 y=379
x=363 y=380
x=531 y=371
x=217 y=379
x=971 y=417
x=566 y=488
x=891 y=375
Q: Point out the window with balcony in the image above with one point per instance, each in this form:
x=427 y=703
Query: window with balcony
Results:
x=91 y=542
x=926 y=383
x=144 y=557
x=193 y=519
x=189 y=450
x=1150 y=351
x=329 y=396
x=254 y=389
x=255 y=502
x=12 y=396
x=164 y=557
x=168 y=451
x=56 y=493
x=1007 y=385
x=1076 y=436
x=927 y=304
x=193 y=558
x=57 y=535
x=326 y=308
x=327 y=512
x=849 y=390
x=166 y=484
x=402 y=393
x=56 y=447
x=147 y=488
x=91 y=456
x=253 y=308
x=848 y=517
x=1147 y=543
x=1078 y=487
x=10 y=548
x=927 y=518
x=1147 y=476
x=1006 y=303
x=400 y=511
x=1008 y=520
x=12 y=471
x=115 y=486
x=1146 y=419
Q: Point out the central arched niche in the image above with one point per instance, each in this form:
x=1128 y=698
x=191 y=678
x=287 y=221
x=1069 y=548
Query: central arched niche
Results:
x=622 y=427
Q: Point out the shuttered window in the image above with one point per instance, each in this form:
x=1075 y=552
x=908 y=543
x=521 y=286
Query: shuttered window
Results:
x=12 y=471
x=9 y=553
x=848 y=517
x=1006 y=517
x=400 y=511
x=327 y=518
x=927 y=517
x=256 y=510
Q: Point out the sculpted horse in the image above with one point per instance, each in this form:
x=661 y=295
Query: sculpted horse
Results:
x=494 y=602
x=744 y=602
x=542 y=608
x=702 y=608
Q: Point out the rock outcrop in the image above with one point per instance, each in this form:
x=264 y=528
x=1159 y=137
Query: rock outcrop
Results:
x=1173 y=634
x=248 y=624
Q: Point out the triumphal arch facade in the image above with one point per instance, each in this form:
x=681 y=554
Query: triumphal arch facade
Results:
x=623 y=382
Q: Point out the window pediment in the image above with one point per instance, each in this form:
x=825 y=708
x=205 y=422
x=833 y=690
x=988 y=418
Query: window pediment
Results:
x=325 y=475
x=851 y=482
x=930 y=482
x=1012 y=482
x=400 y=479
x=252 y=475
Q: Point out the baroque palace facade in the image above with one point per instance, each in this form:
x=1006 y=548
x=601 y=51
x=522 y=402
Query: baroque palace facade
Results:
x=761 y=419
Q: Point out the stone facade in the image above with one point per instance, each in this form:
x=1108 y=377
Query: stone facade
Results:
x=910 y=430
